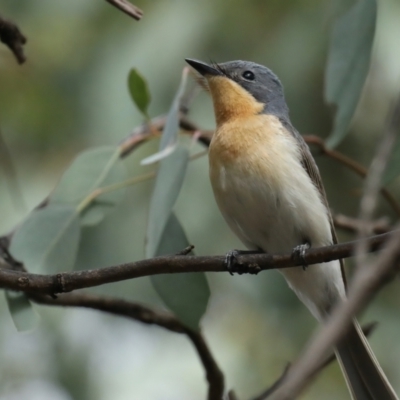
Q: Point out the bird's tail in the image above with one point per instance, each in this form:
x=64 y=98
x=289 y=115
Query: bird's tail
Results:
x=364 y=376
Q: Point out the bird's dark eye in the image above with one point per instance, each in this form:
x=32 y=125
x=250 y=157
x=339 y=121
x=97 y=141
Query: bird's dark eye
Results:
x=248 y=75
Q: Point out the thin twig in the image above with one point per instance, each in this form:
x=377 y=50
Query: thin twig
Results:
x=353 y=165
x=148 y=316
x=350 y=224
x=127 y=8
x=374 y=178
x=13 y=38
x=250 y=263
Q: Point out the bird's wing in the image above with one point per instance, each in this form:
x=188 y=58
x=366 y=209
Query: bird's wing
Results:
x=309 y=164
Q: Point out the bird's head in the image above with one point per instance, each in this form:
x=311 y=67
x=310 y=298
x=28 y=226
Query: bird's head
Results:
x=242 y=88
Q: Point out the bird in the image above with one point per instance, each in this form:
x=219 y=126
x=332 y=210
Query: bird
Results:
x=269 y=190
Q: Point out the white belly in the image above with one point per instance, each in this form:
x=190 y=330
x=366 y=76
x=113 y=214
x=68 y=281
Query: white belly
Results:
x=276 y=212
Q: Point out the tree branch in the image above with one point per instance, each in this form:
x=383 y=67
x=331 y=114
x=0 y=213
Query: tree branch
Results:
x=353 y=165
x=365 y=285
x=127 y=8
x=252 y=263
x=13 y=38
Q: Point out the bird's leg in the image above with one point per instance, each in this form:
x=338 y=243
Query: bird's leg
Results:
x=232 y=264
x=299 y=252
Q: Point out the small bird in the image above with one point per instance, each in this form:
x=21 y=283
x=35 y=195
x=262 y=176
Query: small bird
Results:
x=269 y=190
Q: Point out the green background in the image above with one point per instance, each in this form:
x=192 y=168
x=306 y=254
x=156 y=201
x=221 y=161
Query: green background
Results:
x=72 y=94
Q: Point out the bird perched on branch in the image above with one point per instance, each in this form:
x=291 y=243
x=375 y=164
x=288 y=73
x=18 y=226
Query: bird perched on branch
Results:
x=269 y=190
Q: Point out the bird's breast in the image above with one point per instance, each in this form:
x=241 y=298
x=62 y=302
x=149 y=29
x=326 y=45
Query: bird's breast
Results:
x=261 y=188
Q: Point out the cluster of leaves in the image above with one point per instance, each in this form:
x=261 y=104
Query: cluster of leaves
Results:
x=48 y=240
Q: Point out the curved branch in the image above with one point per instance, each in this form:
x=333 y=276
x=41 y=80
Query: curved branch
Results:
x=251 y=263
x=148 y=316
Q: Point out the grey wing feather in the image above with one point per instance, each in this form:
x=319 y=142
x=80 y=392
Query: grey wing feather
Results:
x=309 y=164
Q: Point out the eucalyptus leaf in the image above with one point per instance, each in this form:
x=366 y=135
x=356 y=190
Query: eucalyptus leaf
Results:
x=21 y=311
x=167 y=186
x=92 y=170
x=47 y=241
x=139 y=91
x=186 y=295
x=169 y=137
x=348 y=64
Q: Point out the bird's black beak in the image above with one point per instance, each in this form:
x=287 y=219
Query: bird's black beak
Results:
x=203 y=68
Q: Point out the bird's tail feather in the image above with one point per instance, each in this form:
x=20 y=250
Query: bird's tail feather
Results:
x=364 y=376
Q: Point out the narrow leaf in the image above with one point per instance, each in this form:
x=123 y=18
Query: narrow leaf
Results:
x=47 y=242
x=139 y=91
x=186 y=295
x=348 y=64
x=169 y=136
x=166 y=189
x=21 y=311
x=90 y=171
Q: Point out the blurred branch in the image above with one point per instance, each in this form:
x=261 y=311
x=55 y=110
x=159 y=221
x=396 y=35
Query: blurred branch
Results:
x=364 y=286
x=148 y=316
x=374 y=178
x=353 y=165
x=127 y=8
x=350 y=224
x=367 y=329
x=250 y=263
x=13 y=38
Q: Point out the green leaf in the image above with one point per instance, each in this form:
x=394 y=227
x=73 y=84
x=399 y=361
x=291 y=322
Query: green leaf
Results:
x=47 y=241
x=167 y=186
x=169 y=137
x=393 y=168
x=90 y=171
x=186 y=295
x=139 y=91
x=348 y=64
x=21 y=311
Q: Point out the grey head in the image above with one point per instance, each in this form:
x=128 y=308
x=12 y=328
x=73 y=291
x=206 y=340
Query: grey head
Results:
x=256 y=79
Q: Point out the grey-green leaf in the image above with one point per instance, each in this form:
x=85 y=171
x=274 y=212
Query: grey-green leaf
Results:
x=169 y=137
x=186 y=295
x=171 y=128
x=21 y=311
x=47 y=242
x=348 y=64
x=90 y=171
x=167 y=186
x=139 y=91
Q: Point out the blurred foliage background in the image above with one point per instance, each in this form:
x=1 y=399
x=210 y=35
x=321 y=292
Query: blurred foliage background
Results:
x=72 y=94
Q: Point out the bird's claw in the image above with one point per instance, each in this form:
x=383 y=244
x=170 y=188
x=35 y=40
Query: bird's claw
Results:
x=233 y=265
x=231 y=261
x=298 y=254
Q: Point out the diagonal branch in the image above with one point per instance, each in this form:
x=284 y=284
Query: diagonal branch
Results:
x=127 y=8
x=365 y=286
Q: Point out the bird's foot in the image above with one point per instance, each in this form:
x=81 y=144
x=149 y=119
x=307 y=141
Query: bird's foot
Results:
x=234 y=266
x=298 y=254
